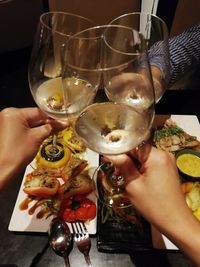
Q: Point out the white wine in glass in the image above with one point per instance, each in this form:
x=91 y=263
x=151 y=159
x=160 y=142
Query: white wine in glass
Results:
x=156 y=35
x=46 y=67
x=113 y=128
x=46 y=63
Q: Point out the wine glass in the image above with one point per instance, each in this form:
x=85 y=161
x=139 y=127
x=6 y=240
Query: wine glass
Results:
x=125 y=121
x=82 y=65
x=46 y=64
x=117 y=127
x=156 y=36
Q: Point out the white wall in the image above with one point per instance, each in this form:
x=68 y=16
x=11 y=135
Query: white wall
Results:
x=149 y=6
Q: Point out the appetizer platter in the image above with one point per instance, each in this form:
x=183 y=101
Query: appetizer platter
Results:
x=124 y=232
x=58 y=187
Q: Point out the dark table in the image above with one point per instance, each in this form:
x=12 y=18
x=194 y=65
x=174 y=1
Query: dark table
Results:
x=28 y=249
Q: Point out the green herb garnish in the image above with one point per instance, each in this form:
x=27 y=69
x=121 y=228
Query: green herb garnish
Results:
x=168 y=131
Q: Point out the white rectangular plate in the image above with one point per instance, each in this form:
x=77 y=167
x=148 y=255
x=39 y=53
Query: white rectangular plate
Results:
x=21 y=221
x=190 y=124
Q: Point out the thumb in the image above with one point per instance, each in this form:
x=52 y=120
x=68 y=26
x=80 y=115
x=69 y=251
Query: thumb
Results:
x=42 y=132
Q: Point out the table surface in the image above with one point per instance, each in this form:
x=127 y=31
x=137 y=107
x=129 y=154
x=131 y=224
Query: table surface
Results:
x=28 y=250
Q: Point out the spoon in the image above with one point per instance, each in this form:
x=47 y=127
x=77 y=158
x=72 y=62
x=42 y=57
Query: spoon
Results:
x=60 y=239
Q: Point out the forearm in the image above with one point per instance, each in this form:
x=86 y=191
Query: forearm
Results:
x=183 y=233
x=8 y=171
x=184 y=50
x=11 y=160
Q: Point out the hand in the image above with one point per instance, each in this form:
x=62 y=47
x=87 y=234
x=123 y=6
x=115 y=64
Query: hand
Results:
x=22 y=132
x=155 y=191
x=150 y=187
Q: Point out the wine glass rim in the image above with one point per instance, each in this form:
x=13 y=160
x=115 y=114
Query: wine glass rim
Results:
x=99 y=27
x=143 y=14
x=105 y=103
x=96 y=28
x=50 y=13
x=102 y=69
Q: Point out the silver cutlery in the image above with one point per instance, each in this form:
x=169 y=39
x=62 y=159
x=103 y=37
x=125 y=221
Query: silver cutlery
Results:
x=82 y=240
x=60 y=239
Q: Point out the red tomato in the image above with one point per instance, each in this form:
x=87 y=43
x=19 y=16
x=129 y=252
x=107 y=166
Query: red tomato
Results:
x=77 y=209
x=69 y=215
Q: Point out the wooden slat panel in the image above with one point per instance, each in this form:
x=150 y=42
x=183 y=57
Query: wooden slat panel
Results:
x=101 y=12
x=187 y=15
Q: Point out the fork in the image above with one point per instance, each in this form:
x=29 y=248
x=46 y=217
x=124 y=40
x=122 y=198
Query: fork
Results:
x=82 y=240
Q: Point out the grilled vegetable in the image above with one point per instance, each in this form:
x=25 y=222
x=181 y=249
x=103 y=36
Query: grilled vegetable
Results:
x=77 y=208
x=80 y=184
x=192 y=196
x=74 y=167
x=72 y=140
x=53 y=156
x=41 y=186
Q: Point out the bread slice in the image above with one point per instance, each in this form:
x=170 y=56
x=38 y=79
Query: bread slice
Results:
x=78 y=185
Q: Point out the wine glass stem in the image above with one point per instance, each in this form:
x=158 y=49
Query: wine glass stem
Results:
x=66 y=259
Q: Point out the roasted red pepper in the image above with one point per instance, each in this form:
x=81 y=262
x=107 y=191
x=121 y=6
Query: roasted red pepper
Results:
x=77 y=208
x=41 y=186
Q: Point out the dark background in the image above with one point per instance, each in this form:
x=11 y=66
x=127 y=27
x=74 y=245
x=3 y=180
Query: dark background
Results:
x=14 y=88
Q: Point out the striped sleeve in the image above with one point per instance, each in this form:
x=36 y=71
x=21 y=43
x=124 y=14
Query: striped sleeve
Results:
x=184 y=52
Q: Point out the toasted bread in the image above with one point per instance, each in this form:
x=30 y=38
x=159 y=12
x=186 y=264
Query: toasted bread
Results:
x=78 y=185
